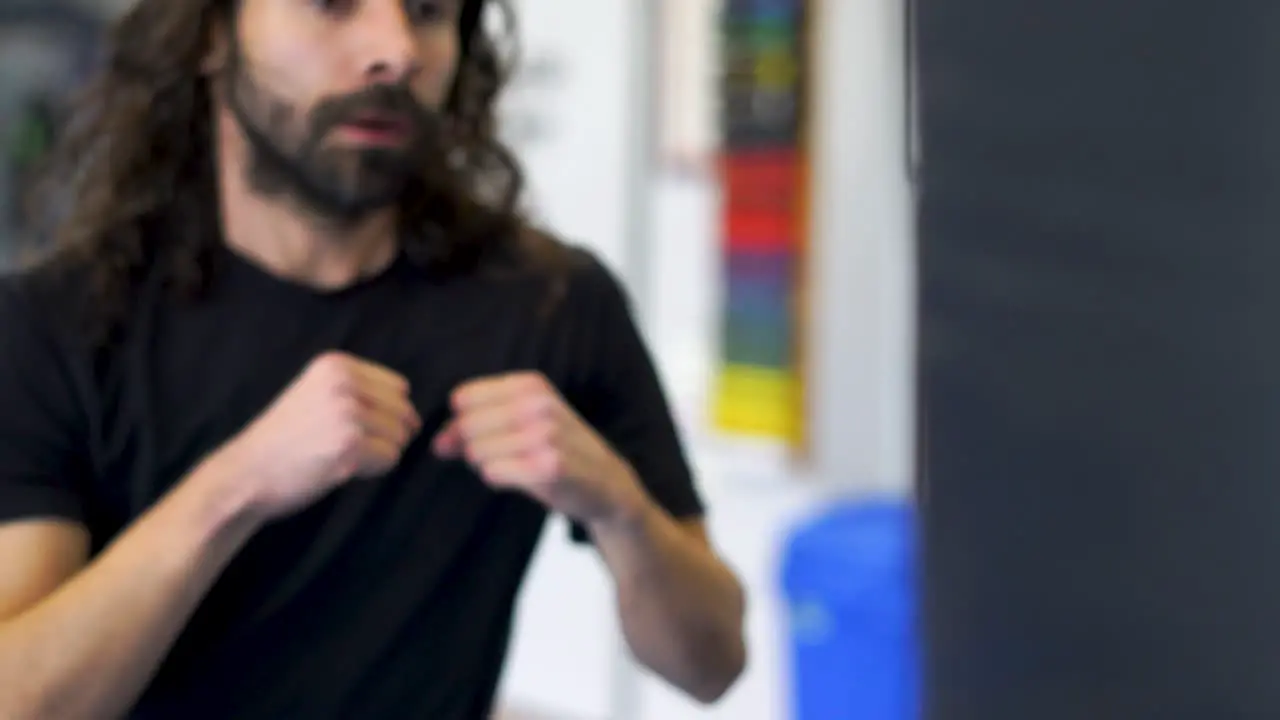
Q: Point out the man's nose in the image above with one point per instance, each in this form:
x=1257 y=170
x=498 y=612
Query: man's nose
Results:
x=389 y=43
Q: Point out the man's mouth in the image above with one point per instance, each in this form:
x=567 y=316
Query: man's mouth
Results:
x=377 y=129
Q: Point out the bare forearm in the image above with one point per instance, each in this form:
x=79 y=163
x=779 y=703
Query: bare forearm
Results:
x=89 y=649
x=681 y=609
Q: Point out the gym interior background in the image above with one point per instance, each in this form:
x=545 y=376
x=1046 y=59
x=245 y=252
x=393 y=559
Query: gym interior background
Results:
x=617 y=114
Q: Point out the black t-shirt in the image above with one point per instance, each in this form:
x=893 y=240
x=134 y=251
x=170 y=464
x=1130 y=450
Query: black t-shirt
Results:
x=387 y=599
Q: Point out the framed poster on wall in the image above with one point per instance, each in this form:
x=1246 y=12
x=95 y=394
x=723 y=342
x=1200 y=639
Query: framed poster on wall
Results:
x=47 y=49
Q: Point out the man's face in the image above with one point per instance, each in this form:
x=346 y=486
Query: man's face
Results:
x=339 y=101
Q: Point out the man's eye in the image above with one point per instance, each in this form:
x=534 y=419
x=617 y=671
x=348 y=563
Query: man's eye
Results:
x=334 y=7
x=427 y=10
x=419 y=11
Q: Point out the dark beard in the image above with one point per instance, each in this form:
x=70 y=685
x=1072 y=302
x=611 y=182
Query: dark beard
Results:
x=340 y=186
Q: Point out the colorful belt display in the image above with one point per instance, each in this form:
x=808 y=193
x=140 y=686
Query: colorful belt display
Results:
x=764 y=172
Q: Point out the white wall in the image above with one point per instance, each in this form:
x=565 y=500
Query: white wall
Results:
x=562 y=661
x=577 y=167
x=863 y=353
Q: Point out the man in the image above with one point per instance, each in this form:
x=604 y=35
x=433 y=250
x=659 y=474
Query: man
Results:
x=283 y=416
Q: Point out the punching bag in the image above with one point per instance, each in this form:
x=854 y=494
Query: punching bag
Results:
x=1100 y=358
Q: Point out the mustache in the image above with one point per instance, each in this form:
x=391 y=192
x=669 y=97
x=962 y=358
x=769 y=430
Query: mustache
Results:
x=396 y=100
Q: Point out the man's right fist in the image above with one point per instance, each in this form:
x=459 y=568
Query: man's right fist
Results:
x=341 y=418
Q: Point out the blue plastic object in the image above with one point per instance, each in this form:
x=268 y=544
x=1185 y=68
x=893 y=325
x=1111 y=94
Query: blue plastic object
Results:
x=849 y=577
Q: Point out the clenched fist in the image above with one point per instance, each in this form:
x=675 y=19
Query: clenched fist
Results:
x=343 y=417
x=519 y=434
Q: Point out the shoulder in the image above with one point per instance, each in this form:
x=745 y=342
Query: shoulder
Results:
x=29 y=302
x=46 y=301
x=582 y=286
x=43 y=347
x=594 y=279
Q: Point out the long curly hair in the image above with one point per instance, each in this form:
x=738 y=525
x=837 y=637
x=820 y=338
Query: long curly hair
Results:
x=129 y=189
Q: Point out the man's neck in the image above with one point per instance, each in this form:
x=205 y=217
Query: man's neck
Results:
x=299 y=249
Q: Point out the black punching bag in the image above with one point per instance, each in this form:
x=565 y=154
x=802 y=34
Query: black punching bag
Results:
x=1100 y=358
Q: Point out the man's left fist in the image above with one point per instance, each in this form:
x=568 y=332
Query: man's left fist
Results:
x=519 y=433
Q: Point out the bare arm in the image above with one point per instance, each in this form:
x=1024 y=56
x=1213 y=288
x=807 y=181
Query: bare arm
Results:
x=681 y=608
x=81 y=641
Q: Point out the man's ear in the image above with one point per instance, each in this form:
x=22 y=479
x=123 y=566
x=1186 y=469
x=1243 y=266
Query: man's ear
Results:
x=217 y=49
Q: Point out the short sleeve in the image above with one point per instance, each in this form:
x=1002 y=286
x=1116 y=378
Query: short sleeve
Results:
x=622 y=397
x=43 y=449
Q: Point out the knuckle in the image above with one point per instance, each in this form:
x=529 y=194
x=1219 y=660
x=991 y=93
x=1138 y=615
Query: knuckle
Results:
x=534 y=406
x=543 y=432
x=349 y=437
x=467 y=427
x=401 y=384
x=330 y=362
x=348 y=411
x=403 y=435
x=461 y=398
x=549 y=465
